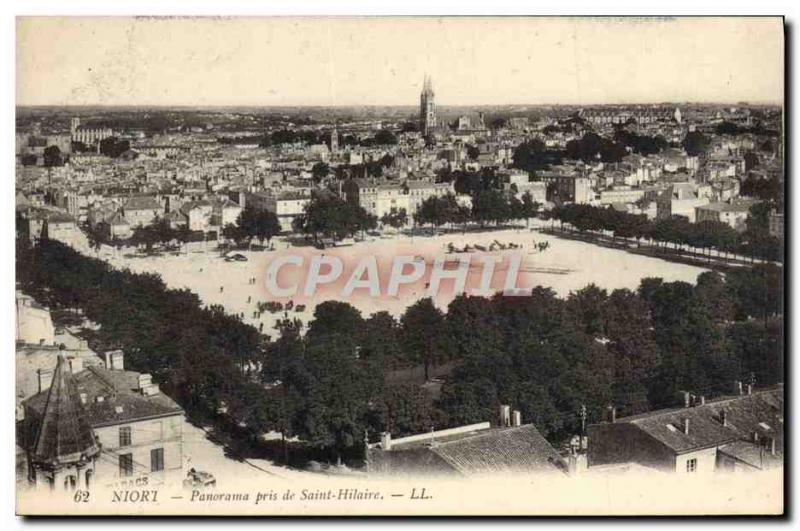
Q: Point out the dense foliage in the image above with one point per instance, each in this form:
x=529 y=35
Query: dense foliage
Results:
x=755 y=241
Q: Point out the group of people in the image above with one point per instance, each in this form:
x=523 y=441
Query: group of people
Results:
x=495 y=246
x=541 y=246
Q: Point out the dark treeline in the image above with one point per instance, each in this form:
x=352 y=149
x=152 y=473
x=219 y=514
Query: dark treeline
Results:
x=755 y=241
x=731 y=128
x=344 y=378
x=201 y=354
x=489 y=206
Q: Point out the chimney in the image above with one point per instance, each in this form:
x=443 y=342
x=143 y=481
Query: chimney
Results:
x=687 y=398
x=612 y=414
x=505 y=416
x=45 y=379
x=755 y=436
x=723 y=417
x=749 y=389
x=702 y=400
x=386 y=441
x=737 y=387
x=144 y=381
x=686 y=426
x=115 y=360
x=516 y=418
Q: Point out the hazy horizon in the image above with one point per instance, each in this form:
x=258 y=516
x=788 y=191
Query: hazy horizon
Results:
x=380 y=61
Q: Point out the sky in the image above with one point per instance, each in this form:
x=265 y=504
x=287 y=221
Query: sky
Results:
x=382 y=61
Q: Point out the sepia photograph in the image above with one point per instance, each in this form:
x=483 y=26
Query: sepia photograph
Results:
x=399 y=265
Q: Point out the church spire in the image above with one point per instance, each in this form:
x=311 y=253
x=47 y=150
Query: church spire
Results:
x=64 y=436
x=427 y=84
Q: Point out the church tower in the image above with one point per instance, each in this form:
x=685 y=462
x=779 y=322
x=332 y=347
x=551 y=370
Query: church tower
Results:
x=427 y=108
x=334 y=140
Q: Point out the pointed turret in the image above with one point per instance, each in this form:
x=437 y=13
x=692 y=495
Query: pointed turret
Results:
x=64 y=436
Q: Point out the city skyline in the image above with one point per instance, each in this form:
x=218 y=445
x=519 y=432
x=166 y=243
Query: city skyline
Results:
x=147 y=62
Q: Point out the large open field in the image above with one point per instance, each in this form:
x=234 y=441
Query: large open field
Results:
x=564 y=266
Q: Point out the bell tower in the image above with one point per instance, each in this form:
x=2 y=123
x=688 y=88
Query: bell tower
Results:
x=427 y=111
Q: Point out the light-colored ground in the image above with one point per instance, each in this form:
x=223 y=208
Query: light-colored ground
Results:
x=564 y=266
x=202 y=454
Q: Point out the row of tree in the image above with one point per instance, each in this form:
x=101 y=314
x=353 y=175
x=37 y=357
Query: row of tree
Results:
x=489 y=206
x=755 y=241
x=251 y=224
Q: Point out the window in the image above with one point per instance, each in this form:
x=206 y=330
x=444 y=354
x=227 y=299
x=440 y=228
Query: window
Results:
x=691 y=466
x=157 y=460
x=126 y=465
x=125 y=436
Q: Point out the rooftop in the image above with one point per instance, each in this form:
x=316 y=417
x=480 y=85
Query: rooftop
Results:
x=120 y=399
x=760 y=412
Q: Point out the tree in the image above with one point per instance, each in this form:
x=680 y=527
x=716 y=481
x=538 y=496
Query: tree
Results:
x=695 y=355
x=320 y=171
x=395 y=218
x=438 y=210
x=385 y=137
x=113 y=147
x=331 y=217
x=587 y=305
x=234 y=232
x=257 y=223
x=695 y=143
x=421 y=324
x=52 y=157
x=405 y=409
x=499 y=123
x=533 y=155
x=632 y=345
x=491 y=206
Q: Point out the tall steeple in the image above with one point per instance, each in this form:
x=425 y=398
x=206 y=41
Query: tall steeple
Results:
x=427 y=111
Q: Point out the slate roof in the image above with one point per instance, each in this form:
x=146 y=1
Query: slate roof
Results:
x=750 y=454
x=478 y=451
x=761 y=412
x=64 y=434
x=122 y=402
x=516 y=449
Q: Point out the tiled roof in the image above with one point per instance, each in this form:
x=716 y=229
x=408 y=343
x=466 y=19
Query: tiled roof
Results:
x=761 y=412
x=516 y=449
